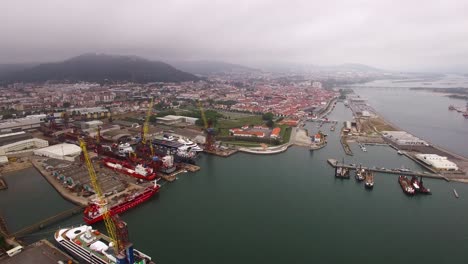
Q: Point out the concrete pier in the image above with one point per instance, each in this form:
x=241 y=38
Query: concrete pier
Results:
x=222 y=153
x=334 y=163
x=41 y=252
x=58 y=186
x=53 y=219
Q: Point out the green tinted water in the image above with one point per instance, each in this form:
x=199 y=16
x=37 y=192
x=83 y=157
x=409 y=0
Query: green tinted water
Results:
x=289 y=208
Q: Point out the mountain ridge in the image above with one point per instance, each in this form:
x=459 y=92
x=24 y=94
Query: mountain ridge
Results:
x=95 y=67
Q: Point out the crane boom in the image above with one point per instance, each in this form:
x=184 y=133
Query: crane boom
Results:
x=210 y=138
x=202 y=112
x=110 y=226
x=146 y=125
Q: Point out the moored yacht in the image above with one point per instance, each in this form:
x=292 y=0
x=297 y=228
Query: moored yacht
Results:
x=190 y=144
x=91 y=246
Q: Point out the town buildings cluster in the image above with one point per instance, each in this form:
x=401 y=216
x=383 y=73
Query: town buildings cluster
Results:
x=282 y=97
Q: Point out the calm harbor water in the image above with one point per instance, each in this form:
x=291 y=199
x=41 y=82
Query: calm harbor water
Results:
x=29 y=199
x=289 y=208
x=424 y=114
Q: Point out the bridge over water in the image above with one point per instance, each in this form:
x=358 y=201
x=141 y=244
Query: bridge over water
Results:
x=48 y=221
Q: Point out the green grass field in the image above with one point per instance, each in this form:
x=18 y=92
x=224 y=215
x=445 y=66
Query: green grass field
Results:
x=285 y=133
x=225 y=124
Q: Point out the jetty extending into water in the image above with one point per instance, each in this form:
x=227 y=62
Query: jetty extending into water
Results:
x=336 y=164
x=48 y=221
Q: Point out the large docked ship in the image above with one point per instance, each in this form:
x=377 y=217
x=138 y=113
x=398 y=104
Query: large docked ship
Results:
x=91 y=246
x=369 y=179
x=93 y=213
x=418 y=185
x=360 y=174
x=170 y=146
x=190 y=145
x=406 y=185
x=138 y=171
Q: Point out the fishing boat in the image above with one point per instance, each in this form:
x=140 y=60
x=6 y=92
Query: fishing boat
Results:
x=93 y=213
x=91 y=246
x=406 y=186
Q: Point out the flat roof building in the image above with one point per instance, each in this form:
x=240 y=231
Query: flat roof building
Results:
x=404 y=138
x=25 y=123
x=175 y=119
x=437 y=162
x=62 y=151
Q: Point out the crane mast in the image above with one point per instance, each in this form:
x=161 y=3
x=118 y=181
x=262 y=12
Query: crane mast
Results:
x=110 y=226
x=210 y=137
x=146 y=125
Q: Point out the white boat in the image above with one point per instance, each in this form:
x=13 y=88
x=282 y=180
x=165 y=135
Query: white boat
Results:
x=124 y=149
x=91 y=246
x=190 y=144
x=168 y=137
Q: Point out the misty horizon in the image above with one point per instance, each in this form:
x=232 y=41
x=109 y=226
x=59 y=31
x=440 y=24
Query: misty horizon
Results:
x=389 y=35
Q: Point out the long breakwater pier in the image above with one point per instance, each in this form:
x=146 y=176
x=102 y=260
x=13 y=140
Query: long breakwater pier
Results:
x=42 y=224
x=336 y=164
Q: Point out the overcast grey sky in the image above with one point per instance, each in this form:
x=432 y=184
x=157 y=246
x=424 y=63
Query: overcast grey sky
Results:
x=391 y=34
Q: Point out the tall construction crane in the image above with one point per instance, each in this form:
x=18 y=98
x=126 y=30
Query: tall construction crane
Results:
x=98 y=135
x=110 y=225
x=210 y=133
x=144 y=133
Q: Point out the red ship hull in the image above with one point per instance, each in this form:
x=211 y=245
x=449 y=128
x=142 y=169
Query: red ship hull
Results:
x=124 y=206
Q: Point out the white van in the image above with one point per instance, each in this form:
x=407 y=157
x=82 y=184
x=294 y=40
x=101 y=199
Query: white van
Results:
x=14 y=251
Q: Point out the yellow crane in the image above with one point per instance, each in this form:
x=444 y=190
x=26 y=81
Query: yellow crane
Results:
x=110 y=226
x=202 y=112
x=146 y=124
x=210 y=138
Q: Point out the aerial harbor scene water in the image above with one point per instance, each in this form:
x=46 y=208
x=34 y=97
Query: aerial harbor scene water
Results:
x=197 y=150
